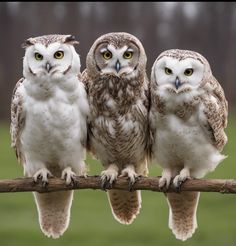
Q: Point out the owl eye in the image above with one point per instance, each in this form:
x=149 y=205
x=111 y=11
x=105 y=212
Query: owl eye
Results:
x=59 y=54
x=107 y=55
x=38 y=56
x=128 y=54
x=168 y=71
x=188 y=72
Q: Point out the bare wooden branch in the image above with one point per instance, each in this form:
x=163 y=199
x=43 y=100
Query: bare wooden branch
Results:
x=94 y=182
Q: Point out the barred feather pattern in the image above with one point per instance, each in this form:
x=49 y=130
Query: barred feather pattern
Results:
x=118 y=123
x=118 y=133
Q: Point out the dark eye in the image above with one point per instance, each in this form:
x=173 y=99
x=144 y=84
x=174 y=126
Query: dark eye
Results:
x=59 y=54
x=188 y=72
x=38 y=56
x=128 y=54
x=168 y=71
x=107 y=55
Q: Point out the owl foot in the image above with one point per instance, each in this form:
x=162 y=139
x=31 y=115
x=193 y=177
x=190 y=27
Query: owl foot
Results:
x=165 y=180
x=69 y=176
x=108 y=177
x=42 y=174
x=181 y=178
x=132 y=176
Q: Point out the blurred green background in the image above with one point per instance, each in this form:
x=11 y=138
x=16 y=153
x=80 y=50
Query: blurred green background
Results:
x=92 y=222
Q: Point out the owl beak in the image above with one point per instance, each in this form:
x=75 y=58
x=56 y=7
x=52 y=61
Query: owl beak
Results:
x=177 y=83
x=48 y=67
x=117 y=66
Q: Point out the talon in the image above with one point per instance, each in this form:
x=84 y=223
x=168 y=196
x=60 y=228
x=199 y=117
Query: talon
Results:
x=132 y=176
x=132 y=182
x=42 y=174
x=108 y=178
x=107 y=183
x=164 y=183
x=178 y=182
x=69 y=176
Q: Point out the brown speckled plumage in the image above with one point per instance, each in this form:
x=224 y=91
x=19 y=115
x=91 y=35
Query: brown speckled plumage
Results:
x=49 y=39
x=17 y=121
x=109 y=138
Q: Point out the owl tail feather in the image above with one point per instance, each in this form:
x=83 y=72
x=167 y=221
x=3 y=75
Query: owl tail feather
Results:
x=182 y=213
x=125 y=205
x=54 y=212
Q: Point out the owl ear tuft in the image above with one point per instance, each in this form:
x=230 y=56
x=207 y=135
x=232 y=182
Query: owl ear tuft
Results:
x=28 y=42
x=71 y=40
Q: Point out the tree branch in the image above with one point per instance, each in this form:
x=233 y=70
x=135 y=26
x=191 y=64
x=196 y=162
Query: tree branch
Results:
x=94 y=182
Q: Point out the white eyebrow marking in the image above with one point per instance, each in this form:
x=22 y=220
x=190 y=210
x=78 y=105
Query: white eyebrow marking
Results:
x=103 y=50
x=130 y=50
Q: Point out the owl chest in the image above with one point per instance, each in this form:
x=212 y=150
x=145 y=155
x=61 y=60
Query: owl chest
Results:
x=112 y=95
x=177 y=138
x=118 y=139
x=51 y=122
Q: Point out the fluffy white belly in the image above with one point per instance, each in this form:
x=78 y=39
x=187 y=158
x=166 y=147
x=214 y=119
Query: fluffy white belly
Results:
x=53 y=130
x=179 y=144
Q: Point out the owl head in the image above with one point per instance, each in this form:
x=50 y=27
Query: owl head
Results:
x=50 y=56
x=117 y=54
x=180 y=70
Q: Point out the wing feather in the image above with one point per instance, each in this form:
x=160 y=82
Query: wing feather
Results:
x=216 y=113
x=17 y=120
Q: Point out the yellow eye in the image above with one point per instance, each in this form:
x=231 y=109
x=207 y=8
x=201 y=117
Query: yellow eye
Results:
x=107 y=55
x=59 y=55
x=188 y=72
x=38 y=56
x=128 y=54
x=168 y=71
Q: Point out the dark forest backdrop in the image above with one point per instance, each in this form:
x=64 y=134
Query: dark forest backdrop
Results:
x=208 y=28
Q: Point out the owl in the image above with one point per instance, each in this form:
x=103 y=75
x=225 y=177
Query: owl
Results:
x=48 y=123
x=117 y=88
x=188 y=114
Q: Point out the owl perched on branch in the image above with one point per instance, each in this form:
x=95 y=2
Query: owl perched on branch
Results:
x=48 y=123
x=117 y=88
x=187 y=119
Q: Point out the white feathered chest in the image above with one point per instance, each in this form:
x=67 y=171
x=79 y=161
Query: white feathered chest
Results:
x=180 y=139
x=55 y=122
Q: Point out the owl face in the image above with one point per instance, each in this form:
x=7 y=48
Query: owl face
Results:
x=178 y=74
x=117 y=61
x=52 y=60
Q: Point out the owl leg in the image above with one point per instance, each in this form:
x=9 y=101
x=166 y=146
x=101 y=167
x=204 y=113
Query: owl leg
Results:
x=165 y=179
x=42 y=174
x=181 y=178
x=129 y=172
x=109 y=176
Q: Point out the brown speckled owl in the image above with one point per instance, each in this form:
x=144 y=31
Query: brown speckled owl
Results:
x=187 y=118
x=117 y=88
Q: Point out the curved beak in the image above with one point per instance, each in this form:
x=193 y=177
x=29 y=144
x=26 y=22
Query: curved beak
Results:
x=48 y=67
x=117 y=66
x=177 y=83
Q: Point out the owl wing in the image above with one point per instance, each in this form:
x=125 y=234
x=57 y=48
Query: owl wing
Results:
x=216 y=113
x=85 y=80
x=17 y=120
